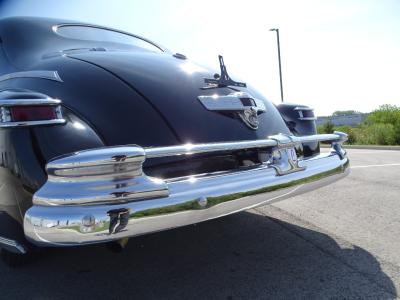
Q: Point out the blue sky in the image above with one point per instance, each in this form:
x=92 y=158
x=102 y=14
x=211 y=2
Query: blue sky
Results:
x=336 y=55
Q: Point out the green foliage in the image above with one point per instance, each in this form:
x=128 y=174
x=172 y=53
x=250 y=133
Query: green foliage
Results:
x=382 y=127
x=352 y=132
x=376 y=134
x=320 y=129
x=328 y=127
x=389 y=116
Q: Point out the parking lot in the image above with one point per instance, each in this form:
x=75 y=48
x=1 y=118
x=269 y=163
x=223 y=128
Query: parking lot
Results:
x=341 y=241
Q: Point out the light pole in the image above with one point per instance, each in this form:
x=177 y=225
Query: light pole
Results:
x=279 y=59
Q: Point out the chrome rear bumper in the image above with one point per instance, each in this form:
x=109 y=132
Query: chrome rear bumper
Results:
x=91 y=213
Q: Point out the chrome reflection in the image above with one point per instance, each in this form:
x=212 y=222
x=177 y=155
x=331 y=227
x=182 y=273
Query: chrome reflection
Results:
x=42 y=74
x=188 y=202
x=113 y=175
x=105 y=175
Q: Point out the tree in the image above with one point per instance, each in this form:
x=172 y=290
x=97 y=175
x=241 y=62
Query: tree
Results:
x=388 y=115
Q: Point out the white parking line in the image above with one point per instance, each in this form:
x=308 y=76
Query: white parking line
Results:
x=373 y=151
x=370 y=166
x=352 y=151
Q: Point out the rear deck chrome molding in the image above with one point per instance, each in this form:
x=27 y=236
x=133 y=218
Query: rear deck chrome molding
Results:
x=42 y=74
x=89 y=193
x=12 y=245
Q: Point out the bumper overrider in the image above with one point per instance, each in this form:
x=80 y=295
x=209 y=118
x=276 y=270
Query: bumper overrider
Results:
x=102 y=195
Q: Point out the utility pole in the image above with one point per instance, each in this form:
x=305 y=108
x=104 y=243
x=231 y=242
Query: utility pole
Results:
x=279 y=59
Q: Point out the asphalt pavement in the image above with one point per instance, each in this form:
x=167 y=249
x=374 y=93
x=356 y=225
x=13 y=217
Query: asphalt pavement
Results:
x=341 y=241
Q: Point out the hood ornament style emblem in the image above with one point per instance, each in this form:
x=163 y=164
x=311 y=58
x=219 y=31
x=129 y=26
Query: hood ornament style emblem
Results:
x=222 y=80
x=240 y=103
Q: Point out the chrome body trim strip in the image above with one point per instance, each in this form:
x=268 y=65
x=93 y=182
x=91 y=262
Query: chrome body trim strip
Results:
x=29 y=102
x=190 y=200
x=42 y=74
x=32 y=123
x=12 y=245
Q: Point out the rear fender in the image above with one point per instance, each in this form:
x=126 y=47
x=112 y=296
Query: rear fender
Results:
x=300 y=120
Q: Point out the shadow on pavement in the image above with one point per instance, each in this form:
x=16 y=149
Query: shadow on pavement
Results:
x=242 y=256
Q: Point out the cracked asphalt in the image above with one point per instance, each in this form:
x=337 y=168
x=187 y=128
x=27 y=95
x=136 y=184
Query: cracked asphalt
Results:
x=341 y=241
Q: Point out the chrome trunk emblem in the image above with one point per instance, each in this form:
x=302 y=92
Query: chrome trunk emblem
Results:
x=243 y=104
x=250 y=117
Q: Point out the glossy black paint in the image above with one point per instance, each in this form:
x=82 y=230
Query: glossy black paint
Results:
x=116 y=112
x=112 y=94
x=172 y=86
x=129 y=82
x=28 y=40
x=6 y=66
x=21 y=173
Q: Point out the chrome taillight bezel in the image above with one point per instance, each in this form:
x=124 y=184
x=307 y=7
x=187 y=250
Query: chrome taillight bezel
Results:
x=5 y=114
x=300 y=110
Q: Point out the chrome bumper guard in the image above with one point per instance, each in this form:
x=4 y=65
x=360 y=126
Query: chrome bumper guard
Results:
x=101 y=195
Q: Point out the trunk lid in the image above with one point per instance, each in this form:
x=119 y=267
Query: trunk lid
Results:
x=172 y=87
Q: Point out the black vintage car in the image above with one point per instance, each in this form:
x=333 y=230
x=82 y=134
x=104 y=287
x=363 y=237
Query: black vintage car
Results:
x=105 y=135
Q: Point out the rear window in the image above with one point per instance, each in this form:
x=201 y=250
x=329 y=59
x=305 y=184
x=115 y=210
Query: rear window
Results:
x=98 y=34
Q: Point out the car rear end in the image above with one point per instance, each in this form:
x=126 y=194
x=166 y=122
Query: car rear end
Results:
x=138 y=141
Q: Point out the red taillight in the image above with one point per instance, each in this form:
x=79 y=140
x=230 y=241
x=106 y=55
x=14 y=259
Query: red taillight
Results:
x=308 y=114
x=36 y=111
x=32 y=113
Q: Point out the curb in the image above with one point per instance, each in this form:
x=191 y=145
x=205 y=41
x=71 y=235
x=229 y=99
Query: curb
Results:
x=371 y=147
